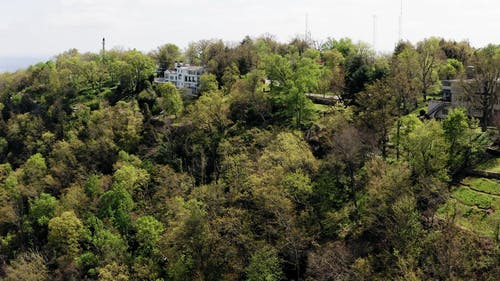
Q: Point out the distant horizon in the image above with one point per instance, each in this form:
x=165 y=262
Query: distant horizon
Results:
x=19 y=62
x=15 y=63
x=42 y=28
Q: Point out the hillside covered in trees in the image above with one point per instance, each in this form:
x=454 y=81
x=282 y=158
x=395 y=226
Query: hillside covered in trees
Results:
x=107 y=175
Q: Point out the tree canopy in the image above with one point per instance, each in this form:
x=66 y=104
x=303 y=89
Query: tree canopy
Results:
x=295 y=162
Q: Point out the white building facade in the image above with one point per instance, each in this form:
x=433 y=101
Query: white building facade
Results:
x=184 y=76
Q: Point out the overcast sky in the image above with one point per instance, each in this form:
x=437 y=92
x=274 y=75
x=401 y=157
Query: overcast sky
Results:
x=43 y=28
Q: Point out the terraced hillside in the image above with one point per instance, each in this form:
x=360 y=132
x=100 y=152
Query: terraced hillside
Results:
x=476 y=202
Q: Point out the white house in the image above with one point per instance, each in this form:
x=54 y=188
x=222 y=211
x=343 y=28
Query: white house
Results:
x=184 y=76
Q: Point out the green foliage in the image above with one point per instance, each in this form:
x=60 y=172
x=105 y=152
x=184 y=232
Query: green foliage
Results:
x=231 y=75
x=464 y=207
x=489 y=186
x=288 y=152
x=264 y=266
x=462 y=135
x=169 y=99
x=472 y=198
x=23 y=133
x=148 y=234
x=451 y=70
x=345 y=46
x=116 y=204
x=405 y=79
x=128 y=175
x=43 y=209
x=292 y=77
x=65 y=232
x=166 y=55
x=31 y=175
x=428 y=150
x=376 y=112
x=9 y=195
x=114 y=272
x=136 y=69
x=430 y=57
x=109 y=245
x=362 y=68
x=492 y=165
x=92 y=186
x=110 y=178
x=189 y=229
x=249 y=104
x=208 y=83
x=88 y=261
x=298 y=186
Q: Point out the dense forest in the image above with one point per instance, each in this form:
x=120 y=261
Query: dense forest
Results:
x=107 y=175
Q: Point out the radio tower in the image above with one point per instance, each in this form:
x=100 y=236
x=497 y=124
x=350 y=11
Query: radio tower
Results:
x=307 y=35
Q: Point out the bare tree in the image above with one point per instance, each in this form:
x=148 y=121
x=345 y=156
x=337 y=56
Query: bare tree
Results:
x=482 y=89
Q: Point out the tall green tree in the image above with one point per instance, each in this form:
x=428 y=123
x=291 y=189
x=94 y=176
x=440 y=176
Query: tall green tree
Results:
x=292 y=77
x=208 y=83
x=428 y=150
x=405 y=79
x=362 y=68
x=169 y=99
x=65 y=232
x=166 y=55
x=264 y=266
x=462 y=135
x=377 y=105
x=430 y=57
x=135 y=69
x=148 y=234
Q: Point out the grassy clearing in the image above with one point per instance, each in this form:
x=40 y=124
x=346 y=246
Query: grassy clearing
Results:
x=492 y=166
x=473 y=208
x=471 y=198
x=321 y=107
x=489 y=186
x=481 y=222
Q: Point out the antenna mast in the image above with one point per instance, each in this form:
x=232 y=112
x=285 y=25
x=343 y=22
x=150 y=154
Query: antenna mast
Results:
x=307 y=35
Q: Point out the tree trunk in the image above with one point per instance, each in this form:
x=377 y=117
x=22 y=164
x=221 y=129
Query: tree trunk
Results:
x=398 y=129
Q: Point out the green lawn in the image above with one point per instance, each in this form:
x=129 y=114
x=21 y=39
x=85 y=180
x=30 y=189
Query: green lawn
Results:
x=481 y=222
x=321 y=107
x=485 y=185
x=492 y=166
x=474 y=210
x=471 y=198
